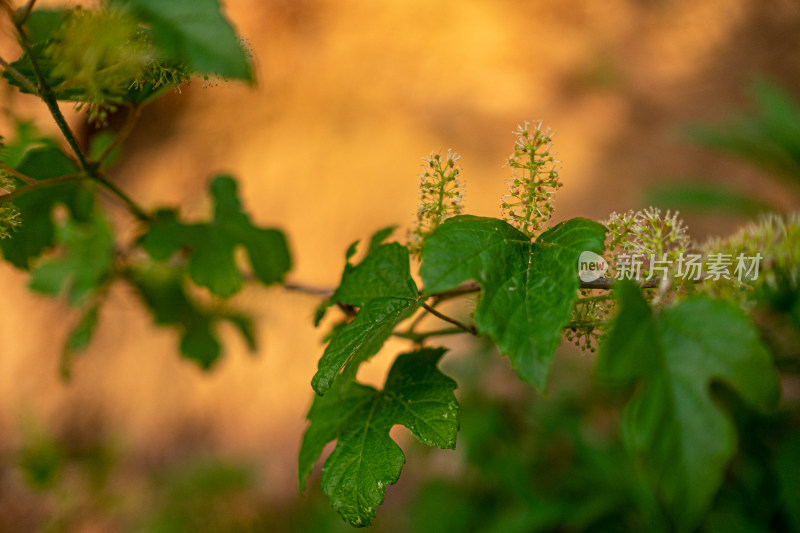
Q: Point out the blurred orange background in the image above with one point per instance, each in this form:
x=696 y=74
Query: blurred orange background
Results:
x=328 y=146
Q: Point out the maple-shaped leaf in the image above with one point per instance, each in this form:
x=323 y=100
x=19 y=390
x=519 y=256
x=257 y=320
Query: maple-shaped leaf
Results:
x=161 y=289
x=366 y=459
x=527 y=288
x=212 y=246
x=673 y=423
x=382 y=287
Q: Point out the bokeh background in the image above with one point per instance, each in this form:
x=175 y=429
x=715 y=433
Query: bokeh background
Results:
x=328 y=145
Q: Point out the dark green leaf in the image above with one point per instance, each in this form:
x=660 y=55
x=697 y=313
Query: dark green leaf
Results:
x=162 y=291
x=37 y=232
x=78 y=339
x=383 y=288
x=787 y=465
x=673 y=423
x=40 y=26
x=365 y=460
x=389 y=259
x=26 y=137
x=380 y=236
x=24 y=66
x=768 y=137
x=527 y=288
x=194 y=33
x=385 y=272
x=361 y=339
x=99 y=143
x=42 y=23
x=84 y=264
x=212 y=247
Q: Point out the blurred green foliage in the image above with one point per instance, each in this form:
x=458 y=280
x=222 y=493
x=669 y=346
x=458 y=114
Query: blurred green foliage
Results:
x=767 y=137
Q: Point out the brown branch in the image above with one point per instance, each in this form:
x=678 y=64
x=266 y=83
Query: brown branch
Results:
x=17 y=75
x=473 y=286
x=442 y=316
x=17 y=174
x=23 y=14
x=422 y=335
x=39 y=184
x=602 y=283
x=306 y=289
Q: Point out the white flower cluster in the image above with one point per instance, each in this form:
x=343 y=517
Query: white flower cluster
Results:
x=534 y=180
x=441 y=195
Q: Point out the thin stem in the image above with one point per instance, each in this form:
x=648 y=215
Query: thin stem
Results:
x=306 y=289
x=17 y=174
x=25 y=12
x=421 y=336
x=418 y=320
x=17 y=75
x=39 y=184
x=6 y=4
x=602 y=283
x=48 y=96
x=473 y=287
x=466 y=288
x=596 y=298
x=442 y=316
x=583 y=325
x=133 y=207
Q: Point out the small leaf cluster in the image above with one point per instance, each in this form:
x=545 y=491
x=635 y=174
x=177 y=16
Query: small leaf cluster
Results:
x=53 y=210
x=529 y=297
x=126 y=52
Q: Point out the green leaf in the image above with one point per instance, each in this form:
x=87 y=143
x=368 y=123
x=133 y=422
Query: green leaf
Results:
x=380 y=236
x=673 y=423
x=78 y=340
x=26 y=137
x=41 y=26
x=194 y=33
x=385 y=272
x=212 y=246
x=37 y=232
x=372 y=261
x=24 y=66
x=787 y=466
x=374 y=245
x=162 y=291
x=84 y=264
x=416 y=394
x=361 y=339
x=768 y=137
x=527 y=288
x=42 y=23
x=383 y=288
x=99 y=143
